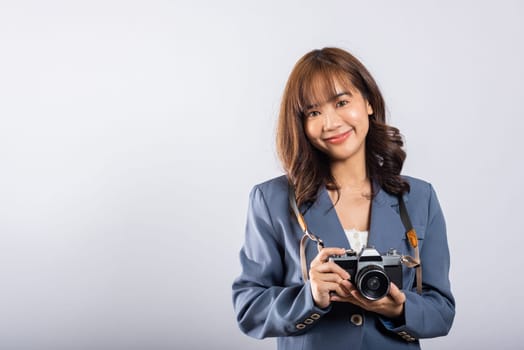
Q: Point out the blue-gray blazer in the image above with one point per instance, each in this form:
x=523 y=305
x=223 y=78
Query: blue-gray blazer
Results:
x=271 y=299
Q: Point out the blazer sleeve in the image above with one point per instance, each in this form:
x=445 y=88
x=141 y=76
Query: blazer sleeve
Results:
x=430 y=314
x=264 y=306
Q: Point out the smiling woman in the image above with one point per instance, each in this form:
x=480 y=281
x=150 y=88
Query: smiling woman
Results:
x=343 y=182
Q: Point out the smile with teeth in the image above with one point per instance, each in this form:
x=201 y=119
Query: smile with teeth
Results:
x=339 y=138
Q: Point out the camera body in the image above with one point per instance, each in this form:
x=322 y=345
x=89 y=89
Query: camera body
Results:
x=370 y=272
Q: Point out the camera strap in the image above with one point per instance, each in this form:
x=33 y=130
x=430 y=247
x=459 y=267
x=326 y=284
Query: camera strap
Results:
x=412 y=238
x=307 y=234
x=404 y=217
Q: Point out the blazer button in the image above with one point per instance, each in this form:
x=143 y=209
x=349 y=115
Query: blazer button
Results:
x=356 y=319
x=300 y=326
x=407 y=337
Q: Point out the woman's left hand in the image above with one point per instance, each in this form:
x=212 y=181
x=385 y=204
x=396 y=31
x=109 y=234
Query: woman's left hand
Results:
x=392 y=305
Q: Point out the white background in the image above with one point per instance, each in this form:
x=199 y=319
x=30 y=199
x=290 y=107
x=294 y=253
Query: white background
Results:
x=132 y=131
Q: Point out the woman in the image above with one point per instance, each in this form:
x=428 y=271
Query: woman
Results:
x=343 y=162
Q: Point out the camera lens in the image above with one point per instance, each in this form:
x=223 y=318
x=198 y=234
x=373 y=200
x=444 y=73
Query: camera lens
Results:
x=372 y=282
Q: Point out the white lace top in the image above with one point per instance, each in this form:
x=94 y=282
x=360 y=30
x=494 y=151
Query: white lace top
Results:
x=357 y=239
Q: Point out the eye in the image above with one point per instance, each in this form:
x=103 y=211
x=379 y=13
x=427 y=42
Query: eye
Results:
x=342 y=103
x=312 y=114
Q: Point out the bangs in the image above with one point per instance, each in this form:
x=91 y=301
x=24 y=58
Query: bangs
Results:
x=319 y=85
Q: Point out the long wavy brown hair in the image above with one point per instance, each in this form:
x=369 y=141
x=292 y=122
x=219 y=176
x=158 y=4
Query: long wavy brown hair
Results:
x=312 y=80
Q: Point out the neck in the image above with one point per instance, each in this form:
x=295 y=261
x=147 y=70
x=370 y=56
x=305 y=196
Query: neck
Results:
x=350 y=173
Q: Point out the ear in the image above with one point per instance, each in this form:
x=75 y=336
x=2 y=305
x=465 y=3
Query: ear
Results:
x=369 y=108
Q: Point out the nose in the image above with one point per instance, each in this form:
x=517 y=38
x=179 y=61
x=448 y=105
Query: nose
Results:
x=331 y=120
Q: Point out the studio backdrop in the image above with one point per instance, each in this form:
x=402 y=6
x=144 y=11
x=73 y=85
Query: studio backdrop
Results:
x=131 y=133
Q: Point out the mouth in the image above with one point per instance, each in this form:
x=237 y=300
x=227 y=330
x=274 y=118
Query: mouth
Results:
x=338 y=138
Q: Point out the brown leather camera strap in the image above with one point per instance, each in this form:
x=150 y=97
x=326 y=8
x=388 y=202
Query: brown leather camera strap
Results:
x=307 y=233
x=412 y=238
x=410 y=234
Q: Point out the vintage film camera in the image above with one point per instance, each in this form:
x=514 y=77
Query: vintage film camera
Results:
x=371 y=272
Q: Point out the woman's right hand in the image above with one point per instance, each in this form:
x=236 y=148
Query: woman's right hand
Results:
x=325 y=277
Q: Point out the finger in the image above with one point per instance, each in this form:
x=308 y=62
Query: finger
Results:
x=328 y=287
x=335 y=297
x=396 y=294
x=364 y=302
x=346 y=299
x=341 y=288
x=325 y=253
x=342 y=291
x=339 y=298
x=347 y=286
x=356 y=294
x=331 y=267
x=319 y=276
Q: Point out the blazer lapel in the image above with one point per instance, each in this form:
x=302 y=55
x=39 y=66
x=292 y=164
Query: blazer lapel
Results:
x=386 y=228
x=322 y=220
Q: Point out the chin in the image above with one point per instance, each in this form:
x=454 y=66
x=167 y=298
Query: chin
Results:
x=344 y=155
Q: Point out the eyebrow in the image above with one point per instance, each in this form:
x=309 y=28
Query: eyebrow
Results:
x=340 y=94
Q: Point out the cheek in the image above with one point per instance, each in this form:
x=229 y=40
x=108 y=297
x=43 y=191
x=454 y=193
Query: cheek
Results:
x=360 y=119
x=365 y=125
x=311 y=130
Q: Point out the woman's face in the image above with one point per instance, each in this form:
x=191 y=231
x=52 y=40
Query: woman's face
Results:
x=339 y=126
